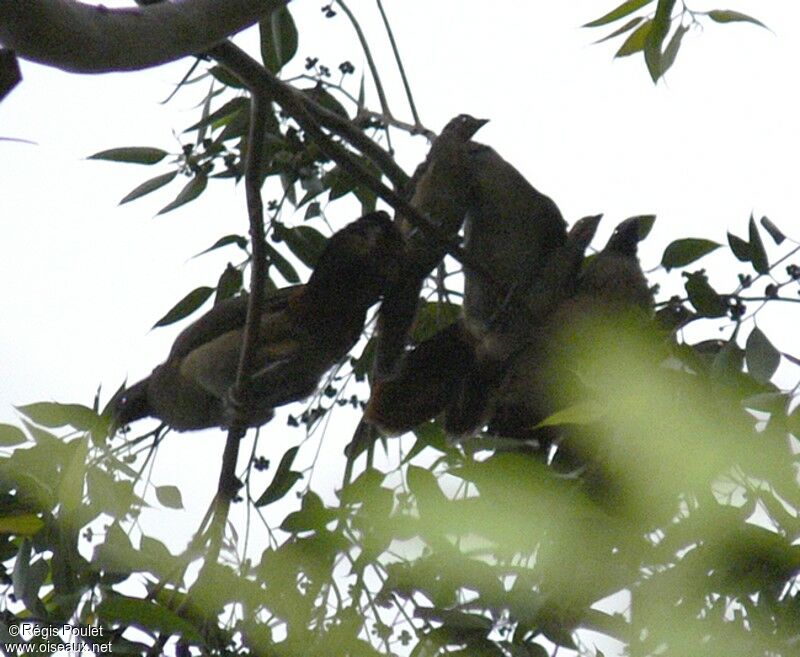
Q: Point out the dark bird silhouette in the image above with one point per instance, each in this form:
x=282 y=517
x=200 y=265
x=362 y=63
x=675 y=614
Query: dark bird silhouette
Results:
x=441 y=188
x=305 y=330
x=458 y=371
x=510 y=227
x=610 y=288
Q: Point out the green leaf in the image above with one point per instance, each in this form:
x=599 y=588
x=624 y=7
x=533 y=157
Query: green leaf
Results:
x=11 y=435
x=671 y=51
x=774 y=232
x=686 y=251
x=238 y=240
x=132 y=154
x=53 y=414
x=705 y=299
x=635 y=42
x=762 y=357
x=625 y=9
x=226 y=77
x=169 y=496
x=116 y=608
x=190 y=192
x=662 y=22
x=149 y=186
x=227 y=111
x=739 y=247
x=283 y=480
x=582 y=413
x=758 y=254
x=25 y=524
x=283 y=266
x=730 y=16
x=278 y=39
x=186 y=306
x=633 y=22
x=305 y=242
x=229 y=283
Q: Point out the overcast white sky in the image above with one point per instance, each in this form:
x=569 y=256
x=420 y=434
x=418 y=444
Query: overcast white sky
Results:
x=84 y=279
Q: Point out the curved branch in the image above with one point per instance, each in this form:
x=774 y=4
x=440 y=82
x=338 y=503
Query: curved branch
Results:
x=82 y=38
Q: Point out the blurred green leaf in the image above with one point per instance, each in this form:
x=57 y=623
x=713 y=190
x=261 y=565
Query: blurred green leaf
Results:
x=169 y=496
x=730 y=16
x=686 y=251
x=24 y=524
x=186 y=306
x=53 y=414
x=11 y=436
x=116 y=608
x=278 y=39
x=190 y=192
x=131 y=154
x=283 y=480
x=229 y=283
x=238 y=240
x=762 y=357
x=305 y=242
x=227 y=111
x=635 y=42
x=283 y=266
x=623 y=10
x=149 y=186
x=226 y=77
x=581 y=413
x=758 y=253
x=671 y=51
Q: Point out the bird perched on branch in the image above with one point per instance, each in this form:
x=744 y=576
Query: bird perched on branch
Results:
x=510 y=227
x=305 y=330
x=441 y=189
x=610 y=288
x=459 y=370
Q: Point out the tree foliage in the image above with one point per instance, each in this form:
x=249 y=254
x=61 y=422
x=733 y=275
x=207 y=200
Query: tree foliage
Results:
x=676 y=536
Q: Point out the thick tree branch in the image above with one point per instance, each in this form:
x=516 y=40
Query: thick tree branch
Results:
x=256 y=76
x=94 y=39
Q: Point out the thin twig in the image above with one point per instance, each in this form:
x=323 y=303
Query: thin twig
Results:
x=376 y=78
x=400 y=66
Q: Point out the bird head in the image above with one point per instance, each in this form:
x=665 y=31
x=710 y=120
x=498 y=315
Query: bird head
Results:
x=364 y=257
x=463 y=127
x=582 y=232
x=626 y=237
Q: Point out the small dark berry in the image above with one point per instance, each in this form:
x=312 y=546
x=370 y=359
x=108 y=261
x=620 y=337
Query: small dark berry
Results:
x=771 y=290
x=311 y=62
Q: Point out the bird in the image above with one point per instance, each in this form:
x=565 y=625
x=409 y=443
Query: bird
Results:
x=304 y=331
x=458 y=370
x=510 y=227
x=541 y=378
x=441 y=189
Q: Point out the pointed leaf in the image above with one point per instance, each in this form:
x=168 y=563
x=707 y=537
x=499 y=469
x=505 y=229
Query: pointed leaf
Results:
x=686 y=251
x=278 y=39
x=238 y=240
x=283 y=266
x=757 y=252
x=119 y=609
x=226 y=77
x=635 y=42
x=662 y=22
x=186 y=306
x=672 y=48
x=132 y=154
x=149 y=186
x=730 y=16
x=633 y=22
x=229 y=283
x=625 y=9
x=227 y=111
x=305 y=242
x=283 y=480
x=774 y=232
x=169 y=496
x=739 y=247
x=25 y=524
x=762 y=357
x=191 y=191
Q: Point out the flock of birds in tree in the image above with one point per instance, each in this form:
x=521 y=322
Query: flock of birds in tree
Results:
x=493 y=368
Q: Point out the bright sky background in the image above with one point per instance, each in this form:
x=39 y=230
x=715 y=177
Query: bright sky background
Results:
x=84 y=279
